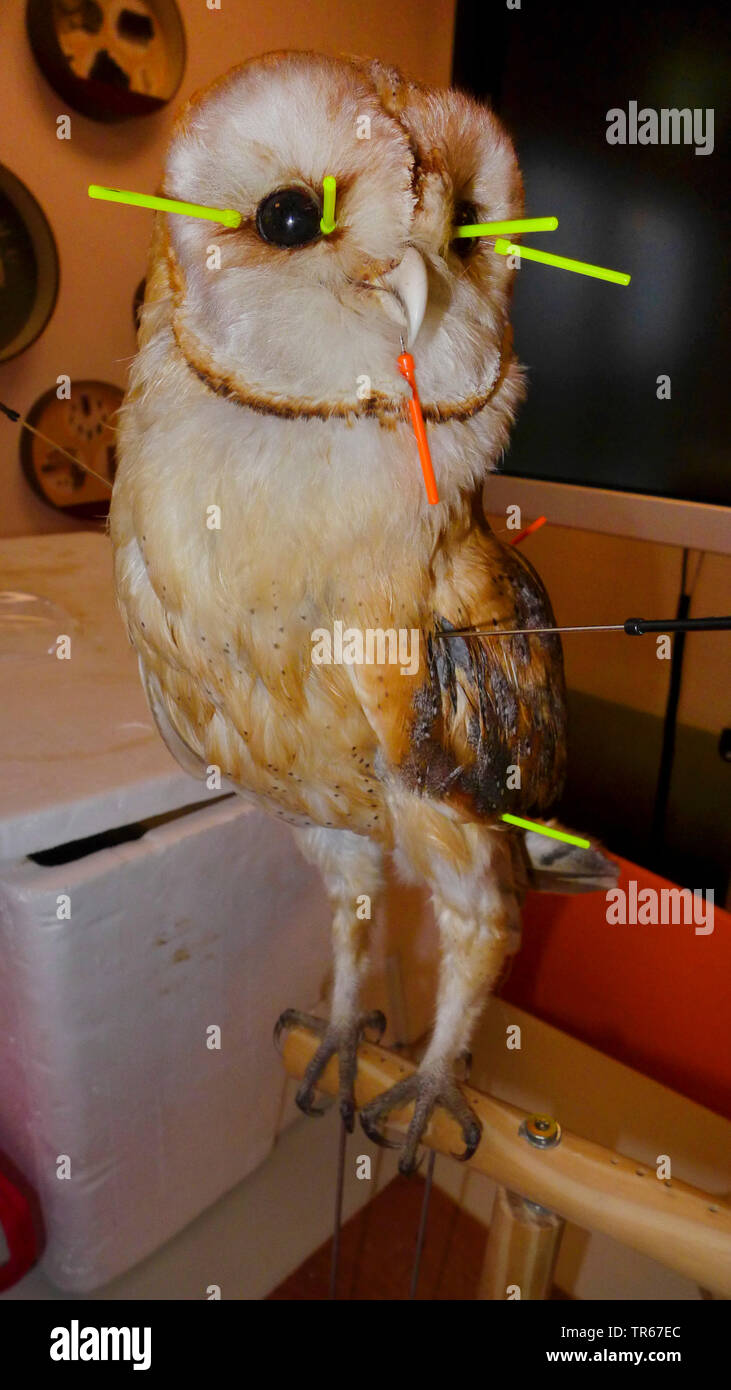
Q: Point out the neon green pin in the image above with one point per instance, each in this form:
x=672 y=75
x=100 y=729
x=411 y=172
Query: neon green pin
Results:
x=525 y=224
x=327 y=221
x=227 y=216
x=547 y=830
x=599 y=272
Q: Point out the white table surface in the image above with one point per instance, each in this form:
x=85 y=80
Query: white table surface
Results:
x=79 y=752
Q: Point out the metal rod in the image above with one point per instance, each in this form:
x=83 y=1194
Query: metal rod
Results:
x=634 y=627
x=338 y=1215
x=15 y=417
x=416 y=1266
x=525 y=631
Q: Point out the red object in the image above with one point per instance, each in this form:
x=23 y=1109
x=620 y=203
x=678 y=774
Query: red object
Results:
x=534 y=526
x=19 y=1218
x=653 y=996
x=406 y=368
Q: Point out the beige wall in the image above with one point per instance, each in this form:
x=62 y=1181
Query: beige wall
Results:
x=591 y=578
x=91 y=333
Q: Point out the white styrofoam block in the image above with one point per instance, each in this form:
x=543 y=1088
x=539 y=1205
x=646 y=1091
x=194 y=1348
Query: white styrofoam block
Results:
x=210 y=919
x=78 y=747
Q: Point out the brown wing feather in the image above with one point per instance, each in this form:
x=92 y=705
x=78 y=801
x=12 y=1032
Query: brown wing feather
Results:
x=487 y=705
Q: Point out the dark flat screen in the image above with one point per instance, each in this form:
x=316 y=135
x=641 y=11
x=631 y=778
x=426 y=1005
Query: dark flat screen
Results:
x=595 y=351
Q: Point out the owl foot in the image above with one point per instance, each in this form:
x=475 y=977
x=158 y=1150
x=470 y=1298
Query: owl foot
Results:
x=427 y=1090
x=340 y=1039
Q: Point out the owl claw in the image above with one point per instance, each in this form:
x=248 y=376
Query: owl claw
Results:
x=426 y=1090
x=337 y=1039
x=375 y=1020
x=472 y=1134
x=464 y=1063
x=294 y=1018
x=312 y=1111
x=374 y=1133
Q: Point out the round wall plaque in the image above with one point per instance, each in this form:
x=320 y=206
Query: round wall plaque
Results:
x=109 y=59
x=84 y=426
x=28 y=267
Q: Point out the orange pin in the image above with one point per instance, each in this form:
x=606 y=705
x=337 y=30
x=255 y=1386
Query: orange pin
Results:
x=534 y=526
x=406 y=368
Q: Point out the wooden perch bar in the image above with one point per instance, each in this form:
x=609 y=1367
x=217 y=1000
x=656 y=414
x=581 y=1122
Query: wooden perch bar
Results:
x=597 y=1189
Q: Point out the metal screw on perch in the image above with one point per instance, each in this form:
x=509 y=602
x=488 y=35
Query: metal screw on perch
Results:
x=684 y=1228
x=541 y=1131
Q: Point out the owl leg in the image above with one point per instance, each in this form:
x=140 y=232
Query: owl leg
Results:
x=469 y=870
x=352 y=868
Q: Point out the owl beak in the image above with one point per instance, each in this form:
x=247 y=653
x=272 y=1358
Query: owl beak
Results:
x=407 y=292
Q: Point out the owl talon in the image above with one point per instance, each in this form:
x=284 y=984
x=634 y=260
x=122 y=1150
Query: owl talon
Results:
x=375 y=1020
x=375 y=1135
x=294 y=1018
x=464 y=1063
x=337 y=1039
x=472 y=1134
x=426 y=1090
x=313 y=1112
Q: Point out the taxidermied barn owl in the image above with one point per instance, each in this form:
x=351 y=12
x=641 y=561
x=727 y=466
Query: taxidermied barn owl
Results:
x=269 y=489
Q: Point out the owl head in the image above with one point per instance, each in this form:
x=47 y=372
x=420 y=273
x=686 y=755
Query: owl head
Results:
x=282 y=317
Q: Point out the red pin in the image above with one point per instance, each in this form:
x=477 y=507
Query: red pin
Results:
x=528 y=530
x=406 y=368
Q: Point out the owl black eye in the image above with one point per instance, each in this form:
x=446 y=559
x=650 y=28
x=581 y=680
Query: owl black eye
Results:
x=289 y=217
x=465 y=214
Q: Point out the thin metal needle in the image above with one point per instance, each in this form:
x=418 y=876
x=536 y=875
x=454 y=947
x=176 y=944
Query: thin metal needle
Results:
x=415 y=1268
x=634 y=627
x=14 y=415
x=338 y=1216
x=526 y=631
